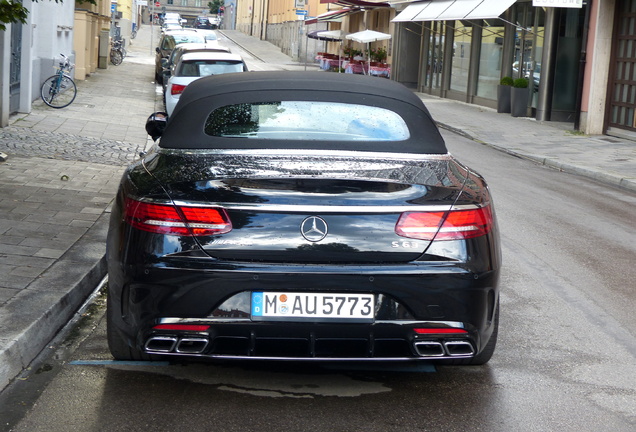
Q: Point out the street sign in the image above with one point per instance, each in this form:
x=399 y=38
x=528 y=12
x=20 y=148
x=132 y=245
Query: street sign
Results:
x=157 y=4
x=301 y=12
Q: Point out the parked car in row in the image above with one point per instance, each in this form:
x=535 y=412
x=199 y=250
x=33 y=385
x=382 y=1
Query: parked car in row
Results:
x=169 y=63
x=302 y=216
x=194 y=65
x=168 y=41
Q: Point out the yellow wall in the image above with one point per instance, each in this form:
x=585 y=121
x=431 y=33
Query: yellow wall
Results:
x=89 y=21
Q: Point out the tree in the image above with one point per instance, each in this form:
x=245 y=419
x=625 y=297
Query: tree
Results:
x=12 y=11
x=214 y=6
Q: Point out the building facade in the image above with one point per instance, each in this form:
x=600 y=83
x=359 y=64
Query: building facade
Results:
x=579 y=56
x=29 y=52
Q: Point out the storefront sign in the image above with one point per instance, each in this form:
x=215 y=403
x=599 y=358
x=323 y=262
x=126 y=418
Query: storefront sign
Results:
x=558 y=3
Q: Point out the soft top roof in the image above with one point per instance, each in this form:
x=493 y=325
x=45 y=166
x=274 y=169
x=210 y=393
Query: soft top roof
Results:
x=185 y=129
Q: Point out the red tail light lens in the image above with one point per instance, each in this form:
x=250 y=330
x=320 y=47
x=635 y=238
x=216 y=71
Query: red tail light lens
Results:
x=453 y=225
x=177 y=89
x=177 y=220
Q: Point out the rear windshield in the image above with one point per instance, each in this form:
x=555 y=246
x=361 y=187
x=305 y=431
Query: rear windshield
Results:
x=201 y=68
x=307 y=120
x=170 y=41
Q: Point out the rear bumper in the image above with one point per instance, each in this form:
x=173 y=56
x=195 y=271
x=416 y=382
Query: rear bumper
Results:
x=408 y=296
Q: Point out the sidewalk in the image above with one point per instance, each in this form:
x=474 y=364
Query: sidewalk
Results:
x=62 y=172
x=64 y=167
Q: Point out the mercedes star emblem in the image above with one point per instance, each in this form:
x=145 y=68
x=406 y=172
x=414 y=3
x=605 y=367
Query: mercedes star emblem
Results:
x=314 y=228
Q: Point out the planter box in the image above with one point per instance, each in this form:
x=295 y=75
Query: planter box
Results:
x=503 y=98
x=519 y=102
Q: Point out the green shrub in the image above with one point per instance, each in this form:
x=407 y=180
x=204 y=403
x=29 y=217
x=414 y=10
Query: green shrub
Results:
x=520 y=83
x=507 y=81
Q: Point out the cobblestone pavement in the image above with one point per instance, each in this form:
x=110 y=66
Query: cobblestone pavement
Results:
x=39 y=143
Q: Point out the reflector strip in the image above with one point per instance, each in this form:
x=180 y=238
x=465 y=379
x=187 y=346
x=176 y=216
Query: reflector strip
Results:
x=439 y=331
x=182 y=327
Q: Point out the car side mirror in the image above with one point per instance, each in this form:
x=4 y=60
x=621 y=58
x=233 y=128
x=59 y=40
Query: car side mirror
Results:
x=157 y=50
x=156 y=124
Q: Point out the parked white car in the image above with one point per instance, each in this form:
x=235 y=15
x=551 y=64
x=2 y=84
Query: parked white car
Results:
x=170 y=63
x=192 y=66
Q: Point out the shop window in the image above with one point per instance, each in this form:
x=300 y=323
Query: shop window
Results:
x=461 y=57
x=435 y=55
x=490 y=59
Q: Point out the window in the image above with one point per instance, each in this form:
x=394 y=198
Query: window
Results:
x=307 y=120
x=201 y=68
x=490 y=59
x=461 y=57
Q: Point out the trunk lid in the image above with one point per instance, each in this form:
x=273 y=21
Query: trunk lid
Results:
x=323 y=210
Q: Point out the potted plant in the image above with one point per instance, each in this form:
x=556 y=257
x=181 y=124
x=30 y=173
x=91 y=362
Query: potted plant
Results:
x=349 y=52
x=503 y=94
x=519 y=98
x=378 y=54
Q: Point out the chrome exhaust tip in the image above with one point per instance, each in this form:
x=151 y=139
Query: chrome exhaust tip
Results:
x=429 y=348
x=162 y=344
x=459 y=348
x=192 y=345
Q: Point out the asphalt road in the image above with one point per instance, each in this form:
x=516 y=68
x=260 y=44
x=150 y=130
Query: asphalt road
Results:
x=566 y=358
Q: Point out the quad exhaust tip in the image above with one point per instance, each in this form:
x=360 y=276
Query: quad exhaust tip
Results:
x=452 y=348
x=168 y=344
x=163 y=344
x=192 y=345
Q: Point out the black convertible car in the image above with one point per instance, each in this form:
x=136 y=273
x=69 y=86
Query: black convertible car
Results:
x=304 y=216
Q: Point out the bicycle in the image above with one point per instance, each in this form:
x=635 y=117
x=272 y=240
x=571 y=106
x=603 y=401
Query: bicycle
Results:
x=117 y=52
x=59 y=90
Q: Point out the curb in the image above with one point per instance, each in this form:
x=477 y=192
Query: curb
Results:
x=605 y=178
x=53 y=299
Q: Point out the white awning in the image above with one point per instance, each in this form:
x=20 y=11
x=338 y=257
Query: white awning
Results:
x=450 y=10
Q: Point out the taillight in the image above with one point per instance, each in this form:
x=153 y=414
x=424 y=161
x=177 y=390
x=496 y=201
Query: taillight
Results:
x=452 y=225
x=177 y=220
x=177 y=89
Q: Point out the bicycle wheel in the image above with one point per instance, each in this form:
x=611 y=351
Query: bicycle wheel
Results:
x=58 y=96
x=115 y=57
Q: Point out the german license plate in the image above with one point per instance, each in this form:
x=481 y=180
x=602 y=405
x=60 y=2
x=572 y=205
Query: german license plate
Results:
x=285 y=306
